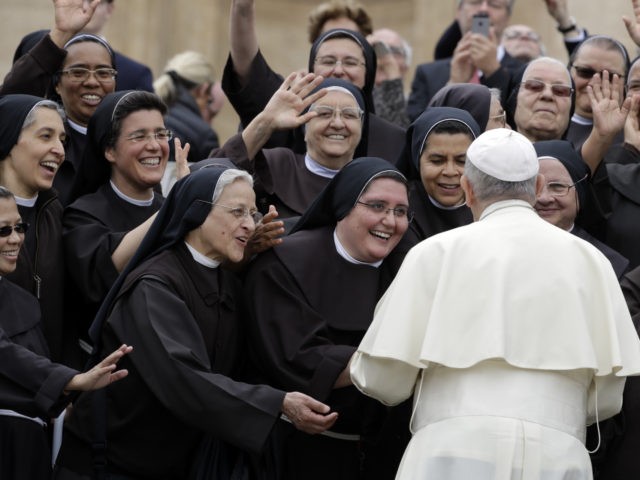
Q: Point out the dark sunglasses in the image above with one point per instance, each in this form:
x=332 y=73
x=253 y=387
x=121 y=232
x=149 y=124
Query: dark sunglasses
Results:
x=557 y=89
x=587 y=73
x=20 y=228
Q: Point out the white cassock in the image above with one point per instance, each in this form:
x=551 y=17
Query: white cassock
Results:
x=512 y=335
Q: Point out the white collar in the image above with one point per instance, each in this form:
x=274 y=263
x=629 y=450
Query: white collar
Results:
x=502 y=204
x=444 y=207
x=128 y=199
x=344 y=254
x=580 y=120
x=26 y=202
x=77 y=127
x=316 y=168
x=202 y=259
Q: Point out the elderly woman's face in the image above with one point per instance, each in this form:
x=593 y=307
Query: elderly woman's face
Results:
x=332 y=136
x=369 y=235
x=556 y=208
x=590 y=59
x=224 y=234
x=543 y=111
x=497 y=115
x=352 y=66
x=34 y=160
x=442 y=165
x=10 y=245
x=81 y=98
x=139 y=158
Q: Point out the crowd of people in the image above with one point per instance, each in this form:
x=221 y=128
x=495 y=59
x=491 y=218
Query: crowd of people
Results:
x=362 y=283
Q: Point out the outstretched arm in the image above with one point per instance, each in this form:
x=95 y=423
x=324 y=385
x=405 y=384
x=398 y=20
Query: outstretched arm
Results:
x=102 y=374
x=242 y=36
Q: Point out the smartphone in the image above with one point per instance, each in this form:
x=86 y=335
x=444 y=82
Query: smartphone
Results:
x=381 y=48
x=480 y=24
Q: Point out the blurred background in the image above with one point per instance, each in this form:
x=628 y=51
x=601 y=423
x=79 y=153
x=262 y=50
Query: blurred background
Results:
x=151 y=31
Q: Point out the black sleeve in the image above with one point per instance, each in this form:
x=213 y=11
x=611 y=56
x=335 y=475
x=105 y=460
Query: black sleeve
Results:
x=448 y=41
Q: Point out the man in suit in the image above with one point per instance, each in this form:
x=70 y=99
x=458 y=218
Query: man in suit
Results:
x=477 y=58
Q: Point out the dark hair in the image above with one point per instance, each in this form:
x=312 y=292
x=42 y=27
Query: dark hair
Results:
x=133 y=102
x=338 y=9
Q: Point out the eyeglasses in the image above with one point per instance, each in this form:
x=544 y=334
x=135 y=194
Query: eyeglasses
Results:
x=80 y=74
x=241 y=212
x=347 y=113
x=516 y=35
x=557 y=89
x=559 y=189
x=381 y=208
x=20 y=228
x=587 y=73
x=330 y=62
x=500 y=118
x=159 y=136
x=495 y=4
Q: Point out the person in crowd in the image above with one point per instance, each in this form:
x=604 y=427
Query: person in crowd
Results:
x=77 y=70
x=249 y=82
x=32 y=388
x=303 y=329
x=482 y=102
x=335 y=114
x=565 y=191
x=488 y=399
x=476 y=59
x=522 y=43
x=180 y=309
x=185 y=87
x=433 y=161
x=593 y=56
x=123 y=163
x=544 y=100
x=32 y=137
x=216 y=101
x=393 y=55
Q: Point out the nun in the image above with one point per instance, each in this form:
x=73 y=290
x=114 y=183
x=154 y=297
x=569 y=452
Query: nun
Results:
x=181 y=309
x=310 y=301
x=332 y=112
x=32 y=137
x=114 y=198
x=565 y=191
x=433 y=160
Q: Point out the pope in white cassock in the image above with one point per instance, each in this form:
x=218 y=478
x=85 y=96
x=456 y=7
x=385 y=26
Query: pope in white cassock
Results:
x=511 y=334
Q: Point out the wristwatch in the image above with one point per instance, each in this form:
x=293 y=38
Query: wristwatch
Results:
x=568 y=29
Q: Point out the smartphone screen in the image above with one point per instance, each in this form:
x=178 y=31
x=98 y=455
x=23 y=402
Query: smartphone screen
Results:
x=480 y=24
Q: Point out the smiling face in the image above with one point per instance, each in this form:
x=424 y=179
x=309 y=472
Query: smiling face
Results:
x=343 y=49
x=223 y=236
x=367 y=235
x=9 y=246
x=138 y=166
x=560 y=211
x=596 y=58
x=442 y=165
x=80 y=99
x=332 y=138
x=543 y=115
x=33 y=161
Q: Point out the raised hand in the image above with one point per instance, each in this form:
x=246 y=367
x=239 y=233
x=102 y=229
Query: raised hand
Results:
x=71 y=16
x=267 y=234
x=609 y=112
x=181 y=155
